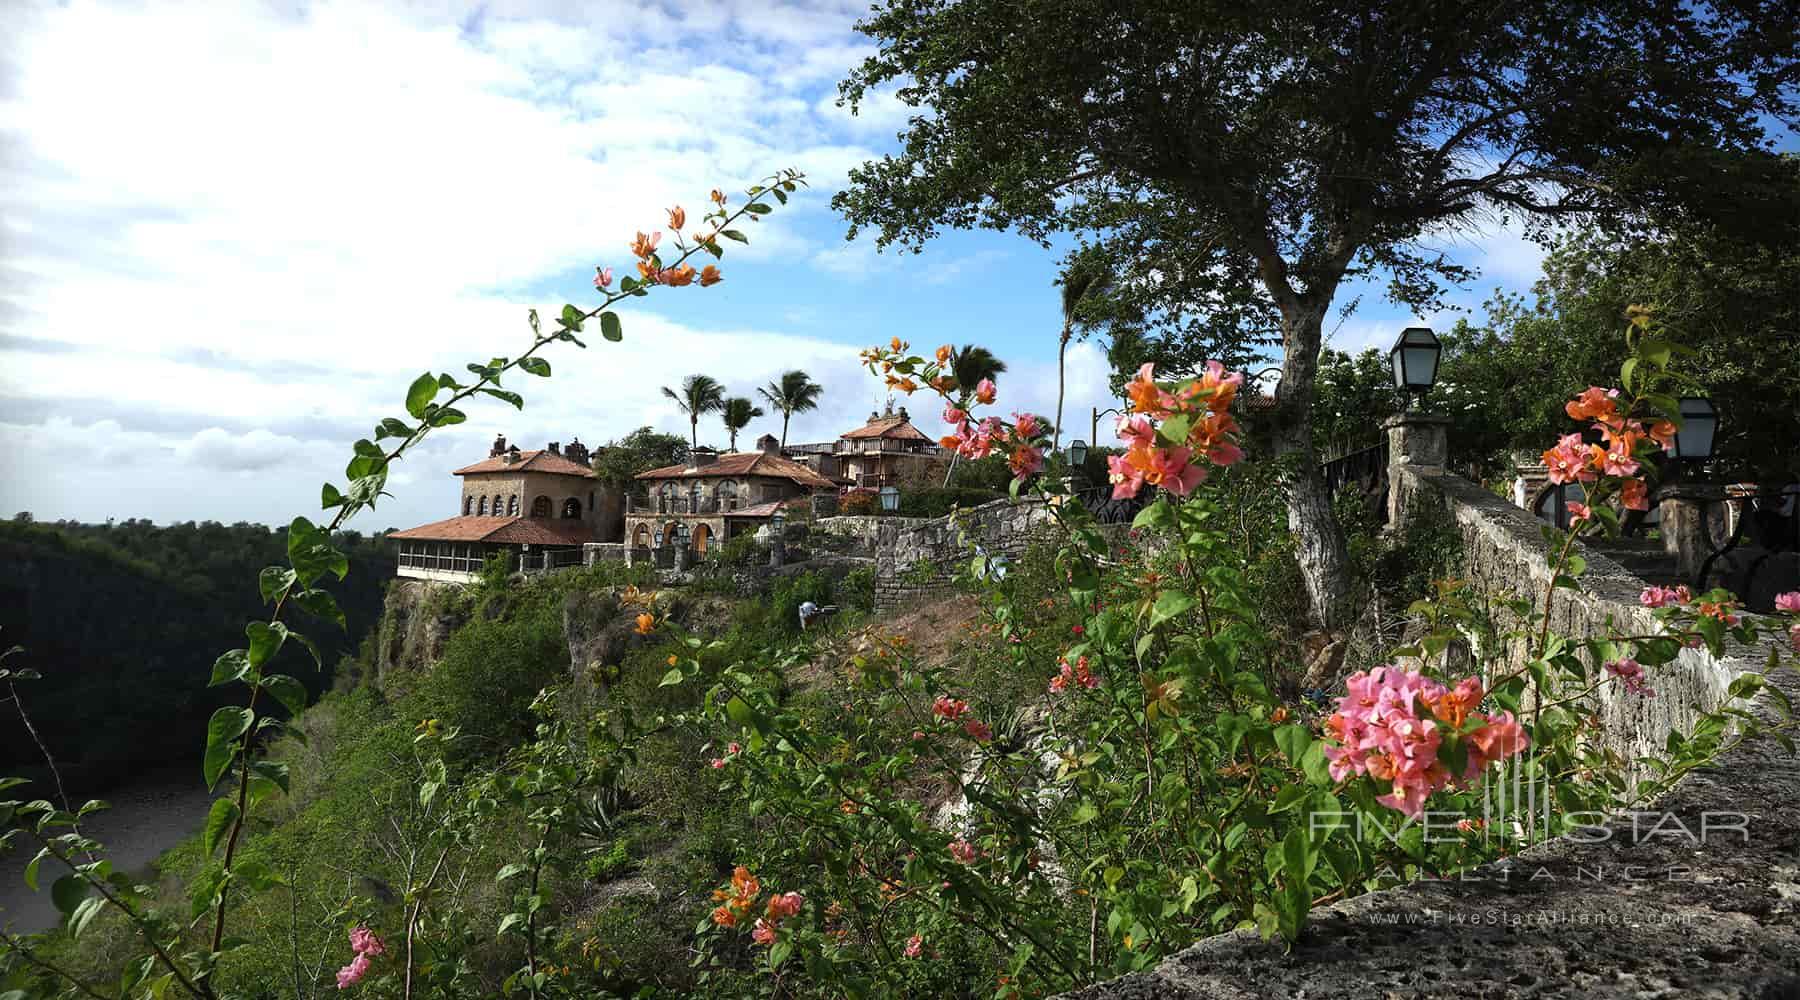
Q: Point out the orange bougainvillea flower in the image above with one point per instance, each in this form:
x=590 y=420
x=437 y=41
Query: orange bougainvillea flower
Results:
x=1146 y=395
x=1594 y=403
x=677 y=217
x=675 y=277
x=646 y=623
x=944 y=353
x=710 y=276
x=644 y=246
x=718 y=197
x=944 y=384
x=647 y=272
x=898 y=344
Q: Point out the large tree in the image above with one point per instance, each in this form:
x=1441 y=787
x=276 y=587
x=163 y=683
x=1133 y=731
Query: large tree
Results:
x=1288 y=146
x=698 y=394
x=618 y=462
x=795 y=392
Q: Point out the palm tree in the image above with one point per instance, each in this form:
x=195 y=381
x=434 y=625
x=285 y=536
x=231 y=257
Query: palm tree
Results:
x=795 y=392
x=699 y=394
x=737 y=412
x=1084 y=278
x=971 y=364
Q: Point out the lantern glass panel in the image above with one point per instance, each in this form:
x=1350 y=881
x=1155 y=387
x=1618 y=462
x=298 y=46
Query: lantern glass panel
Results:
x=1699 y=426
x=1078 y=452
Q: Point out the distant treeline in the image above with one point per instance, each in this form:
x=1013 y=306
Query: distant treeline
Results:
x=124 y=621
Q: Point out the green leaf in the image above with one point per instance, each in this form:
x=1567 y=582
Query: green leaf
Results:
x=273 y=771
x=311 y=554
x=504 y=395
x=390 y=427
x=219 y=819
x=1293 y=741
x=610 y=328
x=229 y=667
x=1169 y=604
x=322 y=604
x=732 y=234
x=266 y=639
x=329 y=497
x=672 y=678
x=85 y=914
x=68 y=892
x=287 y=690
x=445 y=416
x=778 y=953
x=535 y=366
x=274 y=581
x=757 y=208
x=573 y=317
x=222 y=732
x=512 y=871
x=420 y=394
x=31 y=869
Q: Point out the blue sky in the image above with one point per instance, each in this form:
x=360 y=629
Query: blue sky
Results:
x=230 y=235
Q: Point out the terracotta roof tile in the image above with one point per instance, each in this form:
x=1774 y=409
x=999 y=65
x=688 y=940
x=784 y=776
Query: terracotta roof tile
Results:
x=766 y=509
x=503 y=531
x=530 y=461
x=896 y=428
x=745 y=463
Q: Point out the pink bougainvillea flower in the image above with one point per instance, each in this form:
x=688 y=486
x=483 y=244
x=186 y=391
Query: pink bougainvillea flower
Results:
x=716 y=763
x=1136 y=430
x=978 y=730
x=1794 y=636
x=1578 y=512
x=946 y=707
x=914 y=945
x=1571 y=460
x=644 y=246
x=1027 y=426
x=603 y=277
x=364 y=941
x=1789 y=601
x=1631 y=673
x=353 y=973
x=985 y=392
x=1169 y=468
x=786 y=905
x=964 y=851
x=762 y=933
x=1656 y=597
x=1025 y=461
x=1126 y=478
x=955 y=417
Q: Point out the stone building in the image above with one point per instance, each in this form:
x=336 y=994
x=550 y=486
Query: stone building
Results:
x=540 y=505
x=716 y=496
x=886 y=451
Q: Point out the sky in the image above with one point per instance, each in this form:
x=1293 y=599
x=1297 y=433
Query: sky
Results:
x=232 y=234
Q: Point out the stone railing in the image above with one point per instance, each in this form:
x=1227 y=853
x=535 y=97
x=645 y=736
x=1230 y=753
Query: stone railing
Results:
x=1697 y=900
x=915 y=559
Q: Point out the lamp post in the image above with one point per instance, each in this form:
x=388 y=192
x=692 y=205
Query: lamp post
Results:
x=1077 y=453
x=1094 y=425
x=1414 y=359
x=890 y=498
x=777 y=541
x=683 y=555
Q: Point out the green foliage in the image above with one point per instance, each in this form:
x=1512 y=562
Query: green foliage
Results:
x=618 y=462
x=795 y=392
x=937 y=502
x=736 y=413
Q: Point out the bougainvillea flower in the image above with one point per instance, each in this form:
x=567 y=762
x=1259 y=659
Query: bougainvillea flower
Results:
x=644 y=246
x=603 y=277
x=1579 y=512
x=1594 y=403
x=1635 y=495
x=1027 y=426
x=978 y=730
x=1571 y=460
x=1656 y=597
x=1127 y=479
x=677 y=218
x=1789 y=601
x=985 y=391
x=1146 y=396
x=646 y=623
x=914 y=945
x=364 y=941
x=675 y=277
x=1631 y=673
x=1168 y=468
x=964 y=851
x=1025 y=461
x=353 y=973
x=762 y=933
x=710 y=276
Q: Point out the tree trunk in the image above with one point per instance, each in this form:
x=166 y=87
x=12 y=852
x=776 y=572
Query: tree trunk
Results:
x=694 y=431
x=784 y=422
x=1319 y=544
x=1062 y=349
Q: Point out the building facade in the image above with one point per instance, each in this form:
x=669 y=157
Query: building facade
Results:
x=716 y=497
x=536 y=507
x=886 y=451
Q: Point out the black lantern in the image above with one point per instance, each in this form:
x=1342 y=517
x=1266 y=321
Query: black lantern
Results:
x=682 y=535
x=890 y=498
x=1414 y=358
x=1699 y=425
x=778 y=520
x=1078 y=453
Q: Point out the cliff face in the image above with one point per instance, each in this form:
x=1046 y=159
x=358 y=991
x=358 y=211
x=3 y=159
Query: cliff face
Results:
x=418 y=618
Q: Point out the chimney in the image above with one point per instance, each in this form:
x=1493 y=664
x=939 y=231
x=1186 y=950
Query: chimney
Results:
x=769 y=444
x=903 y=415
x=701 y=459
x=874 y=415
x=555 y=448
x=499 y=446
x=576 y=452
x=512 y=454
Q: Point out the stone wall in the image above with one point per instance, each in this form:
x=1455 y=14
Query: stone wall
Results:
x=1615 y=912
x=916 y=559
x=860 y=533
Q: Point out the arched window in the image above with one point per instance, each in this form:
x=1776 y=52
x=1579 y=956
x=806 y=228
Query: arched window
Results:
x=512 y=505
x=468 y=506
x=496 y=505
x=571 y=508
x=641 y=537
x=484 y=506
x=540 y=507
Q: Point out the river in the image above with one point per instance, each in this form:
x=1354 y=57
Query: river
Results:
x=150 y=815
